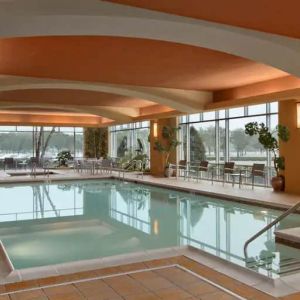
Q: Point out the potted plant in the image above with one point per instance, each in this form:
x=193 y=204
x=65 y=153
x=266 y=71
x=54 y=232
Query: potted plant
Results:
x=270 y=141
x=167 y=146
x=63 y=158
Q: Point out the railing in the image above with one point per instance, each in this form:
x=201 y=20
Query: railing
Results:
x=269 y=226
x=218 y=167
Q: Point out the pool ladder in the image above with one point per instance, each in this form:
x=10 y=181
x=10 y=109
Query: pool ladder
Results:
x=269 y=226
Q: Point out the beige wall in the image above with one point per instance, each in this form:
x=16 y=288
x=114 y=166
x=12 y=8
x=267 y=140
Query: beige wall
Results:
x=157 y=158
x=291 y=149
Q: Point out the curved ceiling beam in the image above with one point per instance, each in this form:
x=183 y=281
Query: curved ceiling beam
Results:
x=186 y=101
x=95 y=111
x=114 y=20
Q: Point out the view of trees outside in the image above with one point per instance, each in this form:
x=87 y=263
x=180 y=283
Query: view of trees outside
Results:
x=27 y=141
x=245 y=149
x=129 y=139
x=203 y=141
x=219 y=136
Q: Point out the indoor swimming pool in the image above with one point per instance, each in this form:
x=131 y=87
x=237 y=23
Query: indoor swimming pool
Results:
x=52 y=223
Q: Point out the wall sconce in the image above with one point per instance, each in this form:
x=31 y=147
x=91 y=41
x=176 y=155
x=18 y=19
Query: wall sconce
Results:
x=156 y=227
x=155 y=134
x=298 y=114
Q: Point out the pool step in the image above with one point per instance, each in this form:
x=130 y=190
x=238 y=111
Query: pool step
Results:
x=287 y=265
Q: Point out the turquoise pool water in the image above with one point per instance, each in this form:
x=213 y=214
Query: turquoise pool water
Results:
x=44 y=224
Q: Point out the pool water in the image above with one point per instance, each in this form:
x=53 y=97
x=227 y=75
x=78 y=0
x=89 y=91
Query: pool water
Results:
x=50 y=223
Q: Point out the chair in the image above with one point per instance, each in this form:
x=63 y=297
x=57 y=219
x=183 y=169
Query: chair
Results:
x=106 y=166
x=257 y=170
x=228 y=169
x=198 y=169
x=182 y=166
x=9 y=163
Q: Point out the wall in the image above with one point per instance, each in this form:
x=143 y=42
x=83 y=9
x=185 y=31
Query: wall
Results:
x=95 y=142
x=157 y=158
x=291 y=149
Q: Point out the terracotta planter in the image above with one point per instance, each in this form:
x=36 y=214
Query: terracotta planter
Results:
x=277 y=183
x=168 y=172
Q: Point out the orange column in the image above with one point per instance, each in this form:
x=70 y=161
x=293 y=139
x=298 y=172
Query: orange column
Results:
x=157 y=158
x=291 y=149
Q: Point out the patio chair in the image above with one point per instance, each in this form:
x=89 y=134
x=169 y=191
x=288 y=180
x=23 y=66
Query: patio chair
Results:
x=199 y=169
x=9 y=163
x=181 y=167
x=257 y=170
x=228 y=169
x=106 y=166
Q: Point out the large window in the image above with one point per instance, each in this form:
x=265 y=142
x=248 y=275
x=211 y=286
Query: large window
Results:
x=22 y=141
x=219 y=136
x=129 y=140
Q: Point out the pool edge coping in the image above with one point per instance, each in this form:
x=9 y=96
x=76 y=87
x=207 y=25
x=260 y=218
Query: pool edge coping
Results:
x=278 y=287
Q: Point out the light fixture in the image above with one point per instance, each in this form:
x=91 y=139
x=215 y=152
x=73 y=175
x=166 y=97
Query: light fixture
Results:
x=156 y=227
x=155 y=129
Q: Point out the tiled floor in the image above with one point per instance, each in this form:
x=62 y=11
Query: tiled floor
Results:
x=173 y=278
x=167 y=283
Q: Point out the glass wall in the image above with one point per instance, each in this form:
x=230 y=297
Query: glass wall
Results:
x=22 y=141
x=219 y=136
x=129 y=140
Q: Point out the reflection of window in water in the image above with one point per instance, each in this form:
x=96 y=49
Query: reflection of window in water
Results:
x=223 y=229
x=131 y=207
x=40 y=202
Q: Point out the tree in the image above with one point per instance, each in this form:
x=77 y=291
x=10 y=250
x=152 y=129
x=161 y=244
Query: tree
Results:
x=239 y=141
x=197 y=149
x=209 y=136
x=169 y=142
x=270 y=140
x=40 y=147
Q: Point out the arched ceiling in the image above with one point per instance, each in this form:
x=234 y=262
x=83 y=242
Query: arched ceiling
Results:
x=275 y=16
x=129 y=61
x=117 y=63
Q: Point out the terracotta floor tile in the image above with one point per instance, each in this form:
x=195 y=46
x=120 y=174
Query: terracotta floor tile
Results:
x=96 y=288
x=155 y=284
x=21 y=285
x=143 y=296
x=218 y=296
x=178 y=276
x=105 y=297
x=125 y=285
x=295 y=296
x=144 y=275
x=174 y=293
x=133 y=267
x=29 y=295
x=200 y=288
x=64 y=292
x=52 y=280
x=157 y=263
x=108 y=271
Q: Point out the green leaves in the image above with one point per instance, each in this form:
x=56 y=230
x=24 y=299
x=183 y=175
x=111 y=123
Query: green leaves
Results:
x=283 y=133
x=170 y=143
x=269 y=141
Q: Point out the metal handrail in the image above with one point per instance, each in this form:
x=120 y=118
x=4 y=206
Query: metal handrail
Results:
x=270 y=225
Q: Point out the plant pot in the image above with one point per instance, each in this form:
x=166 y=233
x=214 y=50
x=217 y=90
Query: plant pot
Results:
x=277 y=183
x=168 y=172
